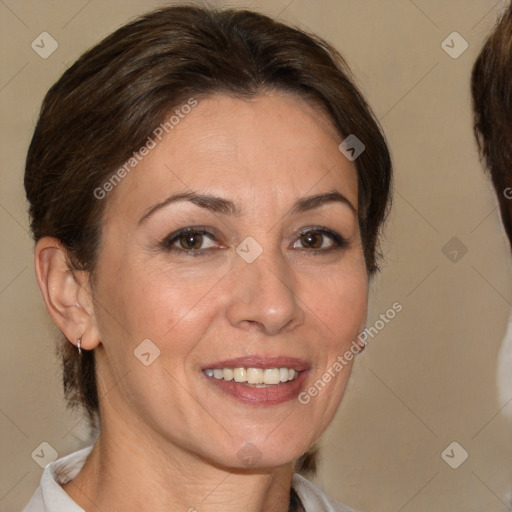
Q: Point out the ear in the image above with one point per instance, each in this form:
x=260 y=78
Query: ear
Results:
x=66 y=293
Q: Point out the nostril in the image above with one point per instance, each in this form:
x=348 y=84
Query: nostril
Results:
x=253 y=325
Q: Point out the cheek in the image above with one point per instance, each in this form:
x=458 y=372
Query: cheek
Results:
x=340 y=304
x=339 y=308
x=153 y=302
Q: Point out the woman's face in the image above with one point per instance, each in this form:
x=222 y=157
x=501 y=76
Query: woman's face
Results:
x=265 y=279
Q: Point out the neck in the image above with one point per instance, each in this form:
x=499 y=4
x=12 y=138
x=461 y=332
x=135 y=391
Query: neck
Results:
x=127 y=472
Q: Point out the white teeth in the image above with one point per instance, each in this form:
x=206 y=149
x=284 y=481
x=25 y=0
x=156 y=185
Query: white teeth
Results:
x=271 y=376
x=257 y=377
x=240 y=374
x=254 y=376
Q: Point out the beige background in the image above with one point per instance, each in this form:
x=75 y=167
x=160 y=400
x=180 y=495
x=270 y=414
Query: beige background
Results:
x=429 y=376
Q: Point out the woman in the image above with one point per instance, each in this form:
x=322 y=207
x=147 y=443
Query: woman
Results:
x=206 y=193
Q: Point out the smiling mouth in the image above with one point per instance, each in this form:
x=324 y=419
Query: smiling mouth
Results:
x=254 y=377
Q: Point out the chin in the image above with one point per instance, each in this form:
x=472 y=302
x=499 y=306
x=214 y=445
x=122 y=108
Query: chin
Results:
x=262 y=453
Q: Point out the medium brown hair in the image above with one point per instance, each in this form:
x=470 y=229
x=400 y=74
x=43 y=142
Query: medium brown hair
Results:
x=491 y=88
x=107 y=103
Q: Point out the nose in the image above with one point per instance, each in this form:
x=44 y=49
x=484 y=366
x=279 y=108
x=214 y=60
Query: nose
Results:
x=264 y=295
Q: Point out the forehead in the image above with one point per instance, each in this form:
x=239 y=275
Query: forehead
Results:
x=275 y=146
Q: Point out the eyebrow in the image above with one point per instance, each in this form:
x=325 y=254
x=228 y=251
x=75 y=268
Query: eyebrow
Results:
x=225 y=206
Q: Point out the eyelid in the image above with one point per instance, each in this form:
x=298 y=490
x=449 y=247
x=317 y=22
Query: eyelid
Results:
x=207 y=231
x=339 y=240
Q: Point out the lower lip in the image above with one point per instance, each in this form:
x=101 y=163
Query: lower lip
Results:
x=272 y=395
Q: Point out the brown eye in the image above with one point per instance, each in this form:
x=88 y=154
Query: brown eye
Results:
x=312 y=240
x=191 y=241
x=320 y=240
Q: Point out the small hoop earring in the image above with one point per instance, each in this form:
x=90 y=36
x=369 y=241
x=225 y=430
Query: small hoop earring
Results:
x=361 y=345
x=79 y=343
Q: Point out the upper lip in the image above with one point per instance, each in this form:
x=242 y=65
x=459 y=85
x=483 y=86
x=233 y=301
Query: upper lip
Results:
x=263 y=362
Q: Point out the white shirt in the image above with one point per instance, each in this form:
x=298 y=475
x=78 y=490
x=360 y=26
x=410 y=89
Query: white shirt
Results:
x=51 y=497
x=504 y=370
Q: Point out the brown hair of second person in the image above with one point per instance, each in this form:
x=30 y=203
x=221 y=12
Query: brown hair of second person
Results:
x=491 y=88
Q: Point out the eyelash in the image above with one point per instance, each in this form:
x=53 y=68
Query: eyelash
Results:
x=339 y=242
